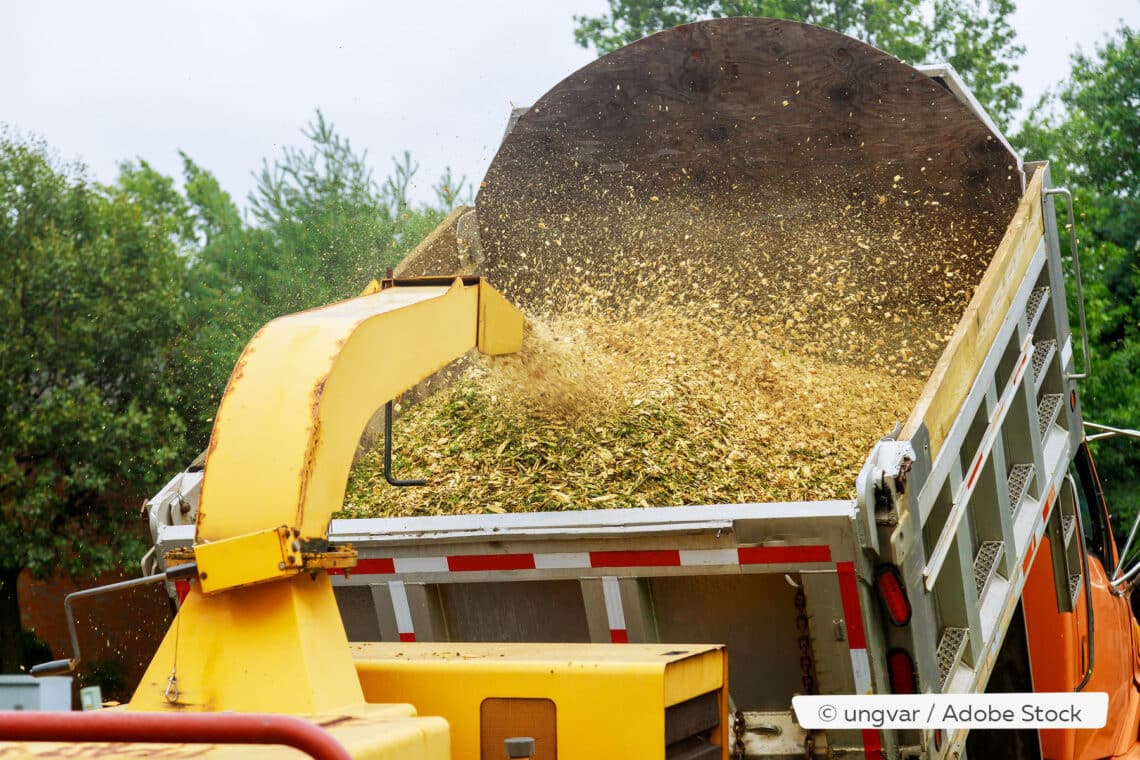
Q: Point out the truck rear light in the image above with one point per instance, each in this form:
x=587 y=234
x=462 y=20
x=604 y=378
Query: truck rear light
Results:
x=889 y=584
x=900 y=667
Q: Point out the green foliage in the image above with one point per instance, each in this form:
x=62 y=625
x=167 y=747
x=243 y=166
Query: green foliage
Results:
x=90 y=303
x=322 y=227
x=1090 y=128
x=976 y=38
x=973 y=35
x=124 y=308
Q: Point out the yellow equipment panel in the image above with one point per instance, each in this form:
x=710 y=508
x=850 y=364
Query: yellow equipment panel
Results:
x=598 y=700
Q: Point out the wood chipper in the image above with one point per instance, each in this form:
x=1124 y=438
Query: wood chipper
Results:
x=866 y=214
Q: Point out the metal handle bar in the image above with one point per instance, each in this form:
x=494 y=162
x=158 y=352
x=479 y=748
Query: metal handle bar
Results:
x=68 y=665
x=1077 y=279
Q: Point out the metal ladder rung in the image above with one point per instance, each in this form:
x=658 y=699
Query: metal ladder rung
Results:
x=985 y=564
x=1018 y=483
x=1042 y=354
x=1047 y=411
x=1035 y=307
x=1069 y=522
x=950 y=649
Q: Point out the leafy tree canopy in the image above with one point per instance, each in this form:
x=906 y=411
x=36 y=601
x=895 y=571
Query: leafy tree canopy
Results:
x=321 y=227
x=973 y=35
x=1089 y=128
x=90 y=286
x=124 y=309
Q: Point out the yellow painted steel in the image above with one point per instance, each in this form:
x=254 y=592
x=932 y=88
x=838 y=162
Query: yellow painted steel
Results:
x=298 y=401
x=256 y=632
x=245 y=560
x=273 y=647
x=610 y=700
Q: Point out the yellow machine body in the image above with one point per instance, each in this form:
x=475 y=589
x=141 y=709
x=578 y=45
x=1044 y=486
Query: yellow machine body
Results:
x=576 y=700
x=260 y=630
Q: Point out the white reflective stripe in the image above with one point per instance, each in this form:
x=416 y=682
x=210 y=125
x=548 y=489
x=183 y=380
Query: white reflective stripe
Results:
x=691 y=557
x=861 y=668
x=401 y=607
x=558 y=561
x=614 y=612
x=1066 y=353
x=420 y=564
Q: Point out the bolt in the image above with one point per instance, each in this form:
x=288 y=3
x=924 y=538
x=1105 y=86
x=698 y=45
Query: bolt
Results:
x=519 y=747
x=290 y=559
x=280 y=565
x=296 y=546
x=203 y=576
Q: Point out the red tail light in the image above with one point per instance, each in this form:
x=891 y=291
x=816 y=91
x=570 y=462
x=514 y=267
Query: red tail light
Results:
x=889 y=584
x=900 y=667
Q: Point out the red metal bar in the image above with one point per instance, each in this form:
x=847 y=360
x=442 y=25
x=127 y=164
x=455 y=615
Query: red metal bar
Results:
x=171 y=728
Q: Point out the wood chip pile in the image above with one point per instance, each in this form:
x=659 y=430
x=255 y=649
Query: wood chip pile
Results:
x=666 y=407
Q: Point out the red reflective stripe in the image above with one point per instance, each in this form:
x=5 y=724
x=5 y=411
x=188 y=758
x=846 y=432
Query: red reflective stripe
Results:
x=1020 y=367
x=974 y=470
x=872 y=748
x=182 y=588
x=852 y=612
x=476 y=562
x=619 y=636
x=783 y=555
x=175 y=728
x=407 y=637
x=645 y=558
x=376 y=566
x=1049 y=503
x=1028 y=556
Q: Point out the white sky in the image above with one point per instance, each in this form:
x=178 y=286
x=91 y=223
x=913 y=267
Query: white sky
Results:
x=230 y=81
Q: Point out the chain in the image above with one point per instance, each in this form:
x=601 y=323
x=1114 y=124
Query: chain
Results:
x=807 y=661
x=738 y=729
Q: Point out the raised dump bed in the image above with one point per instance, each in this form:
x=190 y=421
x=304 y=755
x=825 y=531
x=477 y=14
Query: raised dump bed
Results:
x=743 y=245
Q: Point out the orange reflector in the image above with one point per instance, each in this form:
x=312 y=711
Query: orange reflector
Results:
x=900 y=666
x=937 y=739
x=889 y=584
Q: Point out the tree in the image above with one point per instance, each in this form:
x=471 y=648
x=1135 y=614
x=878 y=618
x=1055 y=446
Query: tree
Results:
x=322 y=227
x=90 y=287
x=973 y=35
x=1089 y=129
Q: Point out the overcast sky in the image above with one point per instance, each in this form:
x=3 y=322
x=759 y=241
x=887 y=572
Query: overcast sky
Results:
x=230 y=82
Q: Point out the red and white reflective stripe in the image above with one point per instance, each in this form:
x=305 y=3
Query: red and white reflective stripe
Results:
x=596 y=560
x=857 y=643
x=615 y=613
x=403 y=611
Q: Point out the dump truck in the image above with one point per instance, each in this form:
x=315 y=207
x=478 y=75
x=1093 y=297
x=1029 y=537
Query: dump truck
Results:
x=975 y=557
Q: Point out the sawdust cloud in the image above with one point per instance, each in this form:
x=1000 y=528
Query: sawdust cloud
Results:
x=691 y=347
